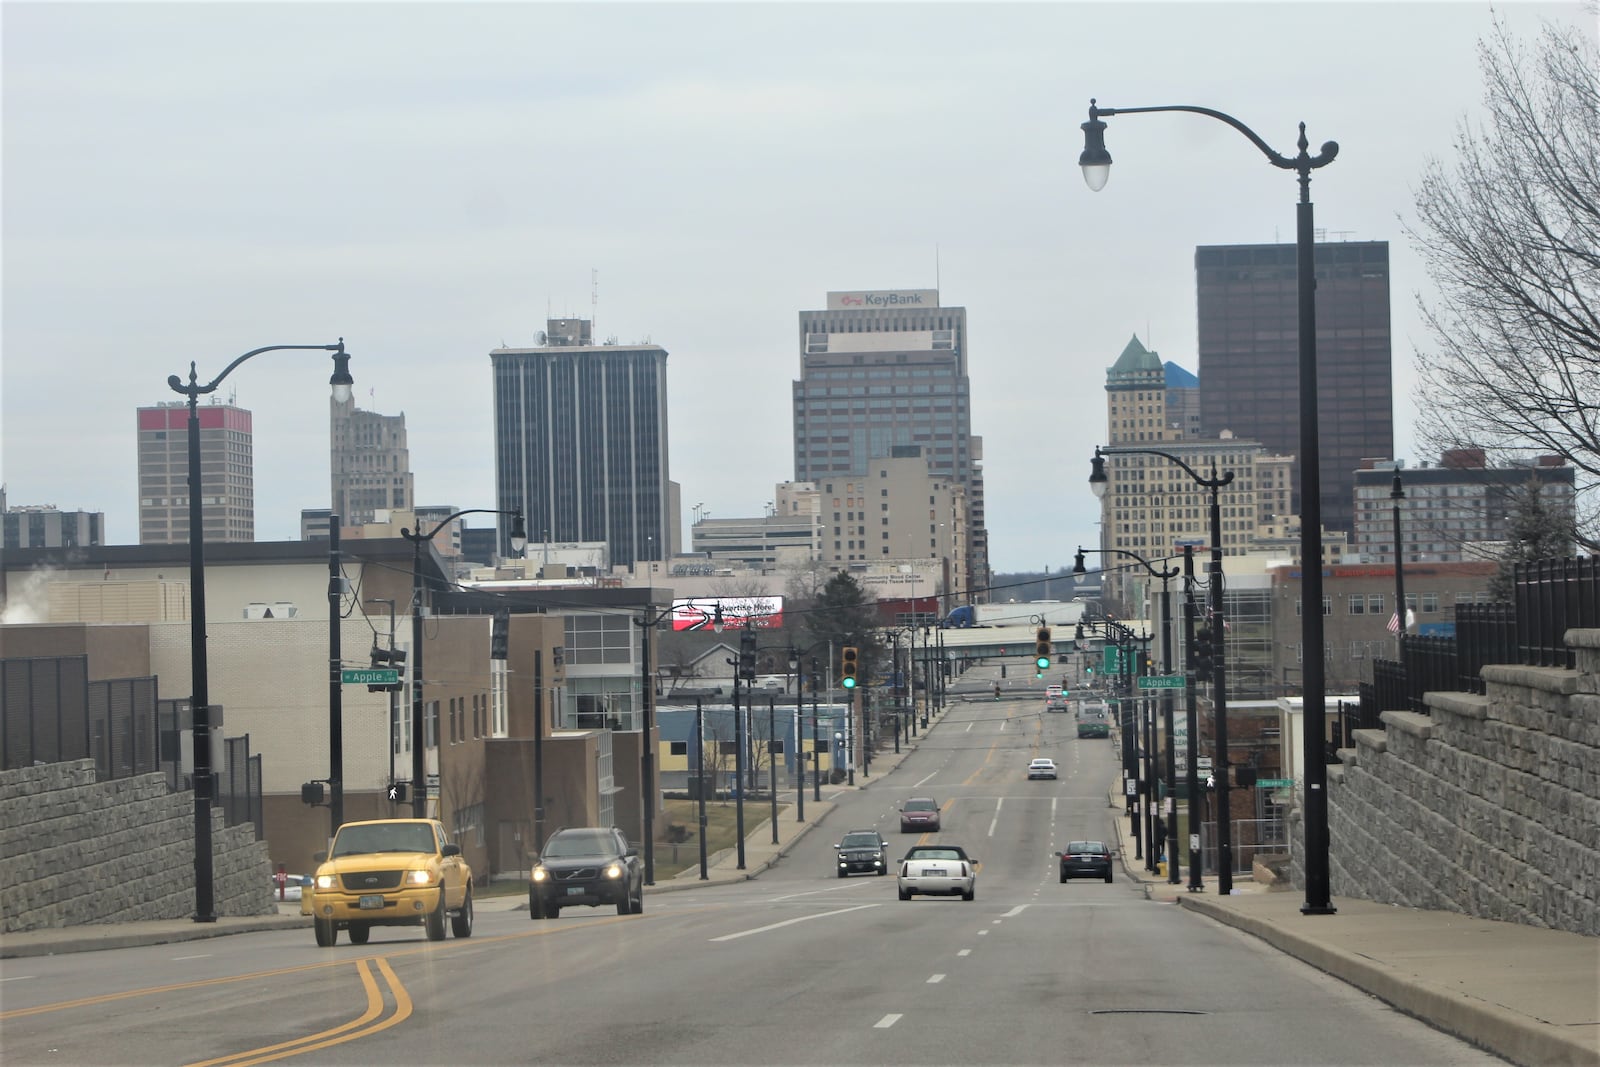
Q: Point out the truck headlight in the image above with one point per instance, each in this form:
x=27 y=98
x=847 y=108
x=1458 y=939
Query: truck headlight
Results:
x=325 y=881
x=418 y=877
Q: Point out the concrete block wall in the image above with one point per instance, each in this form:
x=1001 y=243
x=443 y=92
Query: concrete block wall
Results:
x=1488 y=806
x=76 y=850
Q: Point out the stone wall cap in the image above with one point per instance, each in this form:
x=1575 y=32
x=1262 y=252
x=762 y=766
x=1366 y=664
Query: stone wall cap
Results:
x=1408 y=722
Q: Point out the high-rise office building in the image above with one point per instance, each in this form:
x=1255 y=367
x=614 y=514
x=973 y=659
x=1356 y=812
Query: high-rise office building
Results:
x=1248 y=305
x=227 y=473
x=48 y=527
x=580 y=432
x=370 y=463
x=882 y=369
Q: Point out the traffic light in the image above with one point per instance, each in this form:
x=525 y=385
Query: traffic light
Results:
x=1202 y=653
x=389 y=657
x=1041 y=649
x=851 y=662
x=747 y=654
x=312 y=793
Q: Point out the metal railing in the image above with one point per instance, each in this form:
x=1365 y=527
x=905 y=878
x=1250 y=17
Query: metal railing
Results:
x=50 y=712
x=1550 y=597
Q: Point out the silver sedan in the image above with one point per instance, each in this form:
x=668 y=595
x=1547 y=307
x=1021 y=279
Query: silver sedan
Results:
x=942 y=870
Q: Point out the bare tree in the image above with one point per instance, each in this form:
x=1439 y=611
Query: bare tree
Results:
x=1511 y=238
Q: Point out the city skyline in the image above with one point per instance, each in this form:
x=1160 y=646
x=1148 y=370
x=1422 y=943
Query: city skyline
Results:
x=285 y=175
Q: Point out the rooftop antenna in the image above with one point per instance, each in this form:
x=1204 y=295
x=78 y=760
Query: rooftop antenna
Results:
x=936 y=266
x=594 y=302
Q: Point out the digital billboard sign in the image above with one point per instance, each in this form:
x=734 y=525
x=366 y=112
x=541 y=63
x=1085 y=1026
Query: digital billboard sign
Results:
x=699 y=613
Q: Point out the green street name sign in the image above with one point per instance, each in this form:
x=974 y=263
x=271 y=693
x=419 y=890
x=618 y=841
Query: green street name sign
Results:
x=1161 y=681
x=365 y=676
x=1274 y=783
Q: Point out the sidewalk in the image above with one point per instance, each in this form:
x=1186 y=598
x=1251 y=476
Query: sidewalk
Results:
x=1527 y=994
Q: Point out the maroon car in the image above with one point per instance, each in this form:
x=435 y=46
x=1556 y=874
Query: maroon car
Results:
x=919 y=813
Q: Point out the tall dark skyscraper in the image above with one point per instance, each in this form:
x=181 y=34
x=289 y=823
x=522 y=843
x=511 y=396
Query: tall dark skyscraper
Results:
x=888 y=368
x=1250 y=356
x=580 y=438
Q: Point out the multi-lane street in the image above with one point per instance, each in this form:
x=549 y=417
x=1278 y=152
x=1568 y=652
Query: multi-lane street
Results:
x=798 y=966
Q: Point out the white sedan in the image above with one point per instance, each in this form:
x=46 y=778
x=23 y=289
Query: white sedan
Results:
x=944 y=870
x=1042 y=768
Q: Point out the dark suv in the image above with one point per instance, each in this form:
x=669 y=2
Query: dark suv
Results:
x=587 y=865
x=863 y=850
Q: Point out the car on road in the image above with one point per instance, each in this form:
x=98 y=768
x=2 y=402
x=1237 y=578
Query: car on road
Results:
x=863 y=851
x=588 y=865
x=919 y=813
x=291 y=888
x=941 y=870
x=1085 y=859
x=389 y=872
x=1042 y=768
x=1055 y=698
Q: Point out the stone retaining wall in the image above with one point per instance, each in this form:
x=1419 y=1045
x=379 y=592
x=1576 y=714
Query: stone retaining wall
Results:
x=1488 y=806
x=76 y=850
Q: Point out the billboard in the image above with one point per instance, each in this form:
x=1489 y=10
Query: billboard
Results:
x=698 y=613
x=884 y=298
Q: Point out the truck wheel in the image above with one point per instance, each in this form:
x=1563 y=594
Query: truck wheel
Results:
x=326 y=933
x=461 y=921
x=434 y=923
x=359 y=932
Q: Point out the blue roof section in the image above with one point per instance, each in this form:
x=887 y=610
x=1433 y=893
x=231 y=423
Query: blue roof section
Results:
x=1178 y=378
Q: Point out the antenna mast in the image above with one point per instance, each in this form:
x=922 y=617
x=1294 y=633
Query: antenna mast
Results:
x=594 y=302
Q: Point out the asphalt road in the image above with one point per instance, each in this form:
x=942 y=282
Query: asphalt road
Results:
x=796 y=967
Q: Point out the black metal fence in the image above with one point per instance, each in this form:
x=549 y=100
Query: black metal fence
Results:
x=50 y=712
x=1550 y=597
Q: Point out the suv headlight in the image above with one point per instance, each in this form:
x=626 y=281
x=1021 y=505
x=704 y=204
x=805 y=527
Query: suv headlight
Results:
x=614 y=870
x=540 y=874
x=418 y=877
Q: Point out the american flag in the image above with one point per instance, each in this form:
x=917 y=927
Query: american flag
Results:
x=1394 y=623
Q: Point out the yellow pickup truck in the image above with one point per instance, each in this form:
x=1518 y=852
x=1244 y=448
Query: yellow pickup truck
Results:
x=389 y=872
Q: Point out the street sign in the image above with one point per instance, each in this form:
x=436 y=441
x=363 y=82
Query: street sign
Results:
x=366 y=676
x=1202 y=763
x=1274 y=783
x=1161 y=681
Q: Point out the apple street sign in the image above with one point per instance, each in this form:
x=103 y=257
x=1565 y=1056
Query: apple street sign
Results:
x=369 y=676
x=1161 y=681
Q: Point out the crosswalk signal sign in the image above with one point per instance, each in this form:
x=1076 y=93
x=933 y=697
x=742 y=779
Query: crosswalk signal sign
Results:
x=850 y=660
x=1041 y=648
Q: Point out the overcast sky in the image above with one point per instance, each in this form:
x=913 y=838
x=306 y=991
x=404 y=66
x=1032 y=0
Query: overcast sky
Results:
x=185 y=182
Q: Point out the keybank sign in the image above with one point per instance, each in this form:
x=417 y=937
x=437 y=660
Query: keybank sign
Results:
x=884 y=298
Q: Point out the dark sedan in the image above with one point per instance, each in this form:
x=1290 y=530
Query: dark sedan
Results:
x=1086 y=859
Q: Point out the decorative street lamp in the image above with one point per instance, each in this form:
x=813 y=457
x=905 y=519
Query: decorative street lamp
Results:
x=1096 y=164
x=1165 y=574
x=647 y=755
x=419 y=772
x=1219 y=674
x=1396 y=494
x=200 y=696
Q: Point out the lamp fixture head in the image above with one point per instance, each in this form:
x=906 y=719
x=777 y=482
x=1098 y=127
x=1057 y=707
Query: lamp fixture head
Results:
x=1077 y=566
x=519 y=533
x=716 y=618
x=341 y=381
x=1097 y=475
x=1095 y=160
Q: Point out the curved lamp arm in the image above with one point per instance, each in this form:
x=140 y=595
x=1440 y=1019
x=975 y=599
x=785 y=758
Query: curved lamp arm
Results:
x=340 y=380
x=1096 y=161
x=519 y=534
